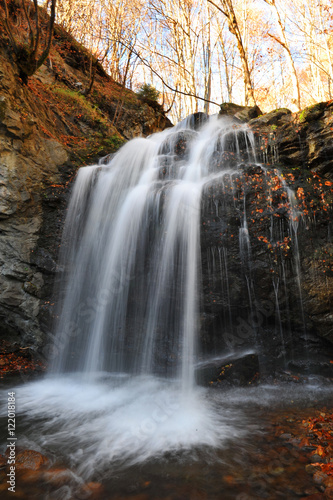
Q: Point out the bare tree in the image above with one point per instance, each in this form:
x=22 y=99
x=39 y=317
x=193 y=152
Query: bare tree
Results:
x=199 y=52
x=311 y=22
x=282 y=40
x=31 y=53
x=227 y=9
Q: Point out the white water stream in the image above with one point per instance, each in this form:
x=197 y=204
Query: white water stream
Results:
x=132 y=251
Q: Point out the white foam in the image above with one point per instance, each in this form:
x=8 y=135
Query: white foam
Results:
x=113 y=421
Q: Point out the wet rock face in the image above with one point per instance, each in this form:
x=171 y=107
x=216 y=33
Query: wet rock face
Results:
x=266 y=270
x=303 y=140
x=178 y=145
x=237 y=370
x=303 y=144
x=300 y=146
x=198 y=120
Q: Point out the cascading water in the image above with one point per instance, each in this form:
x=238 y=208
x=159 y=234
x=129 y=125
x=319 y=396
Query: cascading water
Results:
x=122 y=382
x=131 y=245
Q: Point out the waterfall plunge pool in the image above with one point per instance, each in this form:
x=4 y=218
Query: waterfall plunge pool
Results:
x=140 y=438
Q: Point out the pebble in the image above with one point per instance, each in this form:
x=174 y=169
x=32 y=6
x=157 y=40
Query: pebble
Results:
x=317 y=459
x=311 y=469
x=286 y=436
x=319 y=477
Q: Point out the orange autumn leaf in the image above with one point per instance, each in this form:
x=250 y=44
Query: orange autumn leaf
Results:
x=229 y=479
x=304 y=442
x=319 y=451
x=326 y=468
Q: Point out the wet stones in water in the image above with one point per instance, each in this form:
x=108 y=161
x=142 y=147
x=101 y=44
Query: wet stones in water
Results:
x=168 y=167
x=173 y=153
x=237 y=372
x=177 y=144
x=198 y=120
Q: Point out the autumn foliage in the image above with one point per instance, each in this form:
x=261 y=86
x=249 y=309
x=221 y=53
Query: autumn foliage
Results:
x=16 y=360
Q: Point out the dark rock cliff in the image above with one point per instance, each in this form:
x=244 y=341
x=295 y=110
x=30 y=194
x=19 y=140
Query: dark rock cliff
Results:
x=301 y=145
x=281 y=270
x=303 y=140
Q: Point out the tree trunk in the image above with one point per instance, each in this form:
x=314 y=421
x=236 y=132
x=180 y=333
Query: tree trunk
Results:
x=228 y=10
x=296 y=96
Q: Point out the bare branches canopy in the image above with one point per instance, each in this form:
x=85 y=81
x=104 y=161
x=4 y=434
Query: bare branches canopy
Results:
x=198 y=53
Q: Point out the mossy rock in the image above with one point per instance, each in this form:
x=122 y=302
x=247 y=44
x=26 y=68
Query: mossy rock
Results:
x=272 y=118
x=285 y=111
x=242 y=113
x=312 y=112
x=3 y=107
x=113 y=143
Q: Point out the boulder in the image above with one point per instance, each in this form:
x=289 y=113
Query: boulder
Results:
x=241 y=113
x=298 y=140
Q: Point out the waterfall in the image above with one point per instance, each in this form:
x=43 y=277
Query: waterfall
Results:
x=159 y=239
x=131 y=252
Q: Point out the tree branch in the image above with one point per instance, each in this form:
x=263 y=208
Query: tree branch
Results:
x=9 y=29
x=148 y=65
x=35 y=49
x=278 y=41
x=46 y=51
x=218 y=8
x=26 y=13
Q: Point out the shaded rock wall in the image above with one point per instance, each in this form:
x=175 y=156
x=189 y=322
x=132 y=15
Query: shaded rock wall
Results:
x=303 y=140
x=277 y=298
x=28 y=162
x=273 y=294
x=301 y=145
